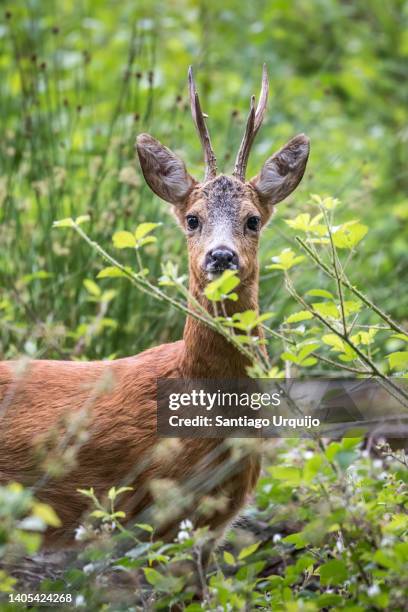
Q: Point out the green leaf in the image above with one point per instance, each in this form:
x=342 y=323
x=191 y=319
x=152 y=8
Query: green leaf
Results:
x=286 y=356
x=312 y=467
x=306 y=350
x=385 y=559
x=248 y=550
x=47 y=514
x=398 y=360
x=119 y=514
x=364 y=337
x=220 y=288
x=296 y=317
x=329 y=203
x=123 y=240
x=334 y=341
x=113 y=272
x=326 y=309
x=304 y=223
x=247 y=320
x=298 y=539
x=87 y=492
x=145 y=228
x=92 y=287
x=143 y=241
x=403 y=337
x=68 y=222
x=333 y=572
x=320 y=293
x=290 y=475
x=397 y=525
x=301 y=222
x=145 y=527
x=153 y=577
x=229 y=558
x=351 y=306
x=349 y=235
x=285 y=260
x=82 y=219
x=99 y=514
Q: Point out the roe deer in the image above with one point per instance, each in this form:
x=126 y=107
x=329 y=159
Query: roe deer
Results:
x=222 y=217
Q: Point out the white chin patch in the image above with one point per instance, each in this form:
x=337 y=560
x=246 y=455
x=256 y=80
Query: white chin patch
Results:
x=213 y=275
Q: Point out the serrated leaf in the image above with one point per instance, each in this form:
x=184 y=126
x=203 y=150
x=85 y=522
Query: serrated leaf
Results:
x=326 y=309
x=306 y=350
x=221 y=287
x=147 y=240
x=333 y=341
x=333 y=572
x=296 y=317
x=248 y=550
x=285 y=260
x=229 y=558
x=298 y=539
x=351 y=306
x=301 y=222
x=47 y=514
x=329 y=203
x=145 y=228
x=398 y=360
x=286 y=356
x=320 y=293
x=123 y=240
x=349 y=235
x=113 y=272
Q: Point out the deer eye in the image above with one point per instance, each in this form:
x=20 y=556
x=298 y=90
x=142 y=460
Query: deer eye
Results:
x=253 y=223
x=192 y=222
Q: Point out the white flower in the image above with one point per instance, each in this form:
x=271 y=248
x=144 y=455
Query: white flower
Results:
x=387 y=541
x=88 y=569
x=81 y=533
x=276 y=538
x=183 y=536
x=79 y=601
x=186 y=525
x=373 y=590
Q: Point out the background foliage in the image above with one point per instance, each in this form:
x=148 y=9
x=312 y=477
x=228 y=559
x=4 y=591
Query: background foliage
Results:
x=78 y=82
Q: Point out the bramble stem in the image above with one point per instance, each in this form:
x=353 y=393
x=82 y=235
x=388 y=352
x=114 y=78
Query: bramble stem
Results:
x=346 y=283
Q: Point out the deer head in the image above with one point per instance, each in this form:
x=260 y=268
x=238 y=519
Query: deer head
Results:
x=222 y=216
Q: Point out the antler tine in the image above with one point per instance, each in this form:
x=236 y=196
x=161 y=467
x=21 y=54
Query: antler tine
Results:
x=254 y=122
x=199 y=121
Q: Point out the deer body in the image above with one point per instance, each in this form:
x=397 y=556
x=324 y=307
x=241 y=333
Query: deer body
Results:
x=109 y=408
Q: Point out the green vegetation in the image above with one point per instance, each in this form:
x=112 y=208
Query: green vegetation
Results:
x=78 y=82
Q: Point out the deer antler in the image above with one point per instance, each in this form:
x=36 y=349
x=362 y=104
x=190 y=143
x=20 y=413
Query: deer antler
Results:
x=254 y=122
x=199 y=121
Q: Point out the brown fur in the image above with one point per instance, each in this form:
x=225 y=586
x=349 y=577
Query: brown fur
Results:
x=116 y=401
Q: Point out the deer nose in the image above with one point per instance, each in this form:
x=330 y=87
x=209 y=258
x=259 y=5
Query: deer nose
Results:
x=221 y=259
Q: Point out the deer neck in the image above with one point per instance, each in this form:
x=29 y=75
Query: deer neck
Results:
x=207 y=354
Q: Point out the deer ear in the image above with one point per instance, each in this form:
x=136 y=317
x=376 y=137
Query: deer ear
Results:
x=282 y=172
x=164 y=172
